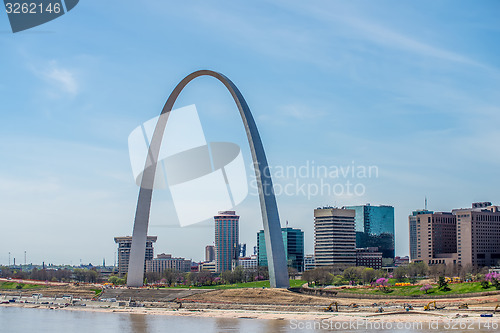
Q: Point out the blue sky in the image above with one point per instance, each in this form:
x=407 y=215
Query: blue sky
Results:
x=409 y=87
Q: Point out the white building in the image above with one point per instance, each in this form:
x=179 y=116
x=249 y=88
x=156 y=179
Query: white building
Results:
x=248 y=262
x=309 y=262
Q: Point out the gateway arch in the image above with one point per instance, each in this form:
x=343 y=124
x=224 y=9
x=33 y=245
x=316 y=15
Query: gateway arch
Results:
x=278 y=271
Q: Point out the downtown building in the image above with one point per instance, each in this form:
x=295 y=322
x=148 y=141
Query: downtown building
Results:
x=467 y=236
x=250 y=263
x=309 y=262
x=436 y=237
x=293 y=240
x=369 y=257
x=334 y=237
x=124 y=246
x=164 y=262
x=478 y=235
x=209 y=253
x=375 y=228
x=227 y=247
x=412 y=227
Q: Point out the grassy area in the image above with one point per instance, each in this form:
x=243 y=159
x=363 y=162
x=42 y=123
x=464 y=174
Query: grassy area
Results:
x=256 y=284
x=458 y=288
x=97 y=291
x=14 y=286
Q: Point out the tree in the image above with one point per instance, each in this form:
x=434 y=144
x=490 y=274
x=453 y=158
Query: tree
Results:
x=292 y=272
x=400 y=273
x=443 y=284
x=170 y=276
x=382 y=283
x=205 y=278
x=152 y=277
x=320 y=276
x=418 y=269
x=426 y=287
x=466 y=272
x=368 y=275
x=353 y=274
x=228 y=277
x=436 y=271
x=238 y=274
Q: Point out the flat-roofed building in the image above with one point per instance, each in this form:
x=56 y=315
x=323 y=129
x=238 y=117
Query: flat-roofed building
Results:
x=436 y=238
x=369 y=257
x=226 y=240
x=164 y=262
x=334 y=236
x=293 y=240
x=124 y=246
x=375 y=228
x=401 y=261
x=478 y=234
x=209 y=253
x=207 y=266
x=248 y=262
x=412 y=227
x=309 y=262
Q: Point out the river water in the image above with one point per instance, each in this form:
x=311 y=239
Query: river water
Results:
x=16 y=319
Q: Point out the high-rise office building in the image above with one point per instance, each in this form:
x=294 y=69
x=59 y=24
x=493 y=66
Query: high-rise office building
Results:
x=478 y=235
x=375 y=228
x=124 y=245
x=293 y=240
x=467 y=236
x=412 y=227
x=209 y=253
x=226 y=240
x=334 y=236
x=436 y=239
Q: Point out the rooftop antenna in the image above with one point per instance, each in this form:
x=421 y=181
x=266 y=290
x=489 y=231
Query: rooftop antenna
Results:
x=425 y=202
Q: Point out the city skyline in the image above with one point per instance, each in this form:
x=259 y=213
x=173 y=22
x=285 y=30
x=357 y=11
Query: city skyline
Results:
x=407 y=88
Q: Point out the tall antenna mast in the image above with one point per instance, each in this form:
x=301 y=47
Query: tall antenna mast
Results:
x=426 y=203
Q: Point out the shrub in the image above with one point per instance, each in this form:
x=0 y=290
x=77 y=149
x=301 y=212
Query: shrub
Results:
x=494 y=278
x=443 y=284
x=485 y=284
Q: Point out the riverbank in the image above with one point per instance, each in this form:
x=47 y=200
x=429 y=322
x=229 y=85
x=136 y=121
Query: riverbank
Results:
x=394 y=316
x=264 y=304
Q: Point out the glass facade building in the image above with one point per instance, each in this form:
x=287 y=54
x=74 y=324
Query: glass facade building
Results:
x=375 y=228
x=293 y=240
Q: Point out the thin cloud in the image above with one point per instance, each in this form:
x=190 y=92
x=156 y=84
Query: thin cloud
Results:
x=379 y=34
x=62 y=78
x=60 y=81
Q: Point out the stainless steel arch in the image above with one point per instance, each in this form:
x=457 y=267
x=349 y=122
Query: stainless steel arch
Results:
x=278 y=272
